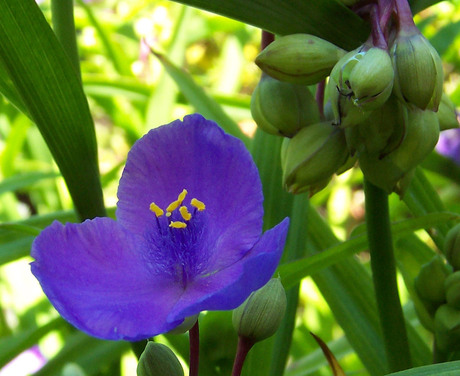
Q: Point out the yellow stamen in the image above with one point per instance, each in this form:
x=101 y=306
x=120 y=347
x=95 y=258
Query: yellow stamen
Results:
x=198 y=204
x=175 y=204
x=156 y=209
x=185 y=213
x=177 y=224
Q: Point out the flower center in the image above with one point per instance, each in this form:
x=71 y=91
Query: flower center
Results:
x=183 y=210
x=177 y=244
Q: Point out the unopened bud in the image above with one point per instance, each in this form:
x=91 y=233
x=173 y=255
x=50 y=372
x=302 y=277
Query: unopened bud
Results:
x=360 y=82
x=312 y=156
x=447 y=328
x=299 y=58
x=283 y=108
x=452 y=287
x=452 y=247
x=260 y=315
x=447 y=114
x=158 y=360
x=418 y=70
x=421 y=136
x=429 y=284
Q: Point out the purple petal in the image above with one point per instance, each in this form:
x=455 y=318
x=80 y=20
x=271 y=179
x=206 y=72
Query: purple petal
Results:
x=449 y=144
x=228 y=288
x=214 y=168
x=97 y=278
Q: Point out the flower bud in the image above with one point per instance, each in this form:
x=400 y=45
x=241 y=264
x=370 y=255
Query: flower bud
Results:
x=312 y=156
x=361 y=81
x=158 y=360
x=283 y=108
x=429 y=283
x=299 y=58
x=452 y=287
x=418 y=70
x=447 y=114
x=447 y=328
x=381 y=132
x=421 y=135
x=452 y=247
x=186 y=325
x=260 y=315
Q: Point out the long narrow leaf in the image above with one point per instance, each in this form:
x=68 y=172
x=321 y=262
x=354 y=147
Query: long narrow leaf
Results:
x=51 y=91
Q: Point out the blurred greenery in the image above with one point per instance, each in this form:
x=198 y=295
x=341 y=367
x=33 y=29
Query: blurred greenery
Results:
x=52 y=168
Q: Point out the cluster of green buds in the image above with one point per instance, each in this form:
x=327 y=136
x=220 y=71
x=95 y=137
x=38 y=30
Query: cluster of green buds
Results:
x=381 y=104
x=438 y=291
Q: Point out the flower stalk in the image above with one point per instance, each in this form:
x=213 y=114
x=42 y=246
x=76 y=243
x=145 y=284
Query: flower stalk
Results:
x=244 y=345
x=384 y=277
x=194 y=338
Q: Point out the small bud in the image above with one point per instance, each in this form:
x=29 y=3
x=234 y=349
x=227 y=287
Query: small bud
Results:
x=299 y=58
x=312 y=156
x=452 y=247
x=429 y=283
x=421 y=136
x=283 y=108
x=158 y=360
x=418 y=70
x=447 y=114
x=260 y=315
x=452 y=287
x=186 y=325
x=447 y=328
x=360 y=82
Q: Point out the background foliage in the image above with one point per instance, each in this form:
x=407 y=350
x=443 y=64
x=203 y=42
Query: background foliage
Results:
x=50 y=164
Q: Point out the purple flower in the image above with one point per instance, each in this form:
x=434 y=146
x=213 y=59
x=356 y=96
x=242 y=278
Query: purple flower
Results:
x=449 y=144
x=188 y=238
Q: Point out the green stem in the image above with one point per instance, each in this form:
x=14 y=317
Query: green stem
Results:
x=384 y=277
x=64 y=28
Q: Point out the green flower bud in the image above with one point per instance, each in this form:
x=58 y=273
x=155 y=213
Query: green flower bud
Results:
x=360 y=82
x=447 y=114
x=447 y=328
x=158 y=360
x=421 y=136
x=452 y=247
x=283 y=108
x=429 y=283
x=186 y=325
x=382 y=132
x=260 y=315
x=418 y=70
x=452 y=287
x=299 y=58
x=312 y=156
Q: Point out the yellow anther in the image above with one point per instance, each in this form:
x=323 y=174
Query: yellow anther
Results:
x=198 y=204
x=175 y=204
x=177 y=224
x=185 y=213
x=156 y=209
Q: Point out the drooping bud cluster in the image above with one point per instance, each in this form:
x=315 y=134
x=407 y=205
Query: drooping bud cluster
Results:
x=438 y=288
x=383 y=104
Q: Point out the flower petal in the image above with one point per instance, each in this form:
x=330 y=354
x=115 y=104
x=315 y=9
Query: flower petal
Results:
x=229 y=288
x=98 y=280
x=214 y=167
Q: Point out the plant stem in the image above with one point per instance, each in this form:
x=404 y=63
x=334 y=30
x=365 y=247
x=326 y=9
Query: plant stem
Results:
x=384 y=277
x=64 y=28
x=405 y=20
x=194 y=337
x=267 y=38
x=244 y=345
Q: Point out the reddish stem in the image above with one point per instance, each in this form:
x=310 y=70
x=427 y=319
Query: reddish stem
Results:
x=405 y=19
x=244 y=345
x=267 y=38
x=194 y=338
x=378 y=39
x=320 y=88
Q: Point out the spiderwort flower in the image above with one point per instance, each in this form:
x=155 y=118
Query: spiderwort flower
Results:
x=188 y=238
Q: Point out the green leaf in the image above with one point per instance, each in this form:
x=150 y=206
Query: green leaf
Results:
x=328 y=19
x=51 y=91
x=197 y=97
x=24 y=180
x=443 y=369
x=291 y=273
